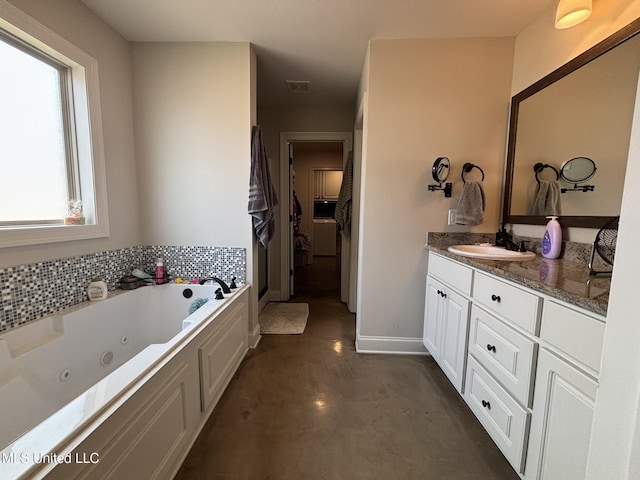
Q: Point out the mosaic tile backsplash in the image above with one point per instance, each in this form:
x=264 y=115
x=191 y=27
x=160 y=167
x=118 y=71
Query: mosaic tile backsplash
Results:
x=33 y=291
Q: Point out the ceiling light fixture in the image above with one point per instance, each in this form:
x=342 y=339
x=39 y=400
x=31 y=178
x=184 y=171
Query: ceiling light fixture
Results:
x=572 y=12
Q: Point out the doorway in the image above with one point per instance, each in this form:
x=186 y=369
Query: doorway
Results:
x=316 y=178
x=312 y=158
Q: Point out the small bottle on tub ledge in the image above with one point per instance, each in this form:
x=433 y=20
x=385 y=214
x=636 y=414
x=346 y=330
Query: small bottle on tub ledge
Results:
x=97 y=290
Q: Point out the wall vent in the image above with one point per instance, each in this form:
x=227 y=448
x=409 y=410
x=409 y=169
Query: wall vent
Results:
x=298 y=86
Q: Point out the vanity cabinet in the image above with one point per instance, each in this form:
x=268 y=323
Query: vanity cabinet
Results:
x=529 y=364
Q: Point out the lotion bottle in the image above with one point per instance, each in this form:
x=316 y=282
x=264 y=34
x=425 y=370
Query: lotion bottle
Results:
x=552 y=239
x=97 y=290
x=159 y=272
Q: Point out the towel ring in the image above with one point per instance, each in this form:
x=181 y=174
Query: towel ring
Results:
x=467 y=167
x=539 y=167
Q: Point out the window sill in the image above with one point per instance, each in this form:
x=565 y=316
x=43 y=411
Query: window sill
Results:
x=17 y=237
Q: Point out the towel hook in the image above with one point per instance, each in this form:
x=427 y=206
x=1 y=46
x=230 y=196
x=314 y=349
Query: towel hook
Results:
x=539 y=167
x=467 y=167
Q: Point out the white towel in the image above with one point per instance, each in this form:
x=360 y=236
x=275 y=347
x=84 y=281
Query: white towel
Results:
x=470 y=210
x=262 y=194
x=547 y=199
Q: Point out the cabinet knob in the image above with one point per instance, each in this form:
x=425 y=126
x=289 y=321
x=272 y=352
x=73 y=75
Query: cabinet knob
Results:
x=486 y=404
x=491 y=348
x=495 y=298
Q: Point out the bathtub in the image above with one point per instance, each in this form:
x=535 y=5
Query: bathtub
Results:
x=73 y=385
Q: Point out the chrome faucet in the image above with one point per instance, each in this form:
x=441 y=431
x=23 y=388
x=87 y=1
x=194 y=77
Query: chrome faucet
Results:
x=225 y=287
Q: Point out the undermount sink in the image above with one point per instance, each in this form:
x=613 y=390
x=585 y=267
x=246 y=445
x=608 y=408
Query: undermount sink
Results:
x=491 y=252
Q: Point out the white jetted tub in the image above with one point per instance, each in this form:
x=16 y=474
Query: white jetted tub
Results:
x=118 y=388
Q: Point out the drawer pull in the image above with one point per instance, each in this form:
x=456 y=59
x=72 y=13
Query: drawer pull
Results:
x=495 y=298
x=486 y=404
x=442 y=294
x=491 y=348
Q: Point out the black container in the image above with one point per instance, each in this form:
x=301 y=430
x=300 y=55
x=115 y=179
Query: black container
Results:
x=129 y=282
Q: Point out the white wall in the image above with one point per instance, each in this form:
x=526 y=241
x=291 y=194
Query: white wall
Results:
x=426 y=98
x=194 y=107
x=615 y=437
x=73 y=21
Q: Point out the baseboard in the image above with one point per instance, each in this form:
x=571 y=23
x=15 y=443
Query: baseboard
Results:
x=391 y=345
x=274 y=296
x=254 y=337
x=263 y=303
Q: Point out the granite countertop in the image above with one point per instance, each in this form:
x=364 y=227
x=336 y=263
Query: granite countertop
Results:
x=566 y=280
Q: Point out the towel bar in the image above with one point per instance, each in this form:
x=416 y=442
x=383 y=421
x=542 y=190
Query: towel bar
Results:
x=539 y=167
x=467 y=167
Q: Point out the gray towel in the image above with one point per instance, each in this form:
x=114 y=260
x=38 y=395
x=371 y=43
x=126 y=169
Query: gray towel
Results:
x=547 y=199
x=262 y=195
x=343 y=205
x=470 y=210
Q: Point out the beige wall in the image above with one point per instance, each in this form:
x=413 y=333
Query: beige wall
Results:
x=193 y=142
x=615 y=440
x=73 y=21
x=426 y=98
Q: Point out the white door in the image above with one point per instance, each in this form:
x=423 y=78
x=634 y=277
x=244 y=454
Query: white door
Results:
x=291 y=232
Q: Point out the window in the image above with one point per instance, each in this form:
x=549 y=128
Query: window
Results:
x=51 y=153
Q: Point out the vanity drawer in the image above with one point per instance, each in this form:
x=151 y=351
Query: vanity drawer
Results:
x=456 y=275
x=578 y=335
x=505 y=353
x=504 y=419
x=515 y=305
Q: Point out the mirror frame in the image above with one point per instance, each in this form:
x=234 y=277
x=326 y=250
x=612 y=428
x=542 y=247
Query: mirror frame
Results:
x=605 y=45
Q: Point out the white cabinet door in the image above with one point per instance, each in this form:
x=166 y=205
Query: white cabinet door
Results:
x=332 y=183
x=563 y=405
x=446 y=322
x=434 y=303
x=453 y=346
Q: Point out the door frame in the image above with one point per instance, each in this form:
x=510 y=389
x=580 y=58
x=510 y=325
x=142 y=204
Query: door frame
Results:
x=285 y=196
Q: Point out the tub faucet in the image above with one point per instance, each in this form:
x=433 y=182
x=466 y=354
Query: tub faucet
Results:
x=225 y=287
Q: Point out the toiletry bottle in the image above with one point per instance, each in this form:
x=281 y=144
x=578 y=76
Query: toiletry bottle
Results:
x=159 y=271
x=552 y=239
x=97 y=290
x=502 y=234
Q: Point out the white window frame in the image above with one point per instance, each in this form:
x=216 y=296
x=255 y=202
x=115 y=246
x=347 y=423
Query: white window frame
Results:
x=88 y=133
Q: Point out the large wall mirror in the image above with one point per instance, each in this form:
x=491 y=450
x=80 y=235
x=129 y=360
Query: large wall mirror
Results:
x=578 y=116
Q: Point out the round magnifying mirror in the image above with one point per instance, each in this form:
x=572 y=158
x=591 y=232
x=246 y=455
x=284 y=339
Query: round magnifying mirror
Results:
x=578 y=170
x=440 y=169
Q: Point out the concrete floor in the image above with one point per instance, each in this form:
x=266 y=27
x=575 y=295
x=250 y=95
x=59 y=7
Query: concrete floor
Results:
x=308 y=407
